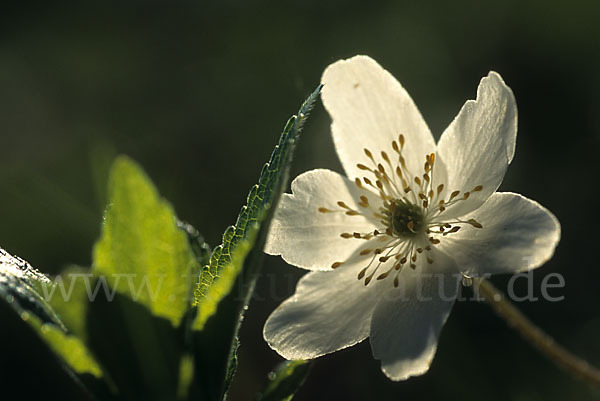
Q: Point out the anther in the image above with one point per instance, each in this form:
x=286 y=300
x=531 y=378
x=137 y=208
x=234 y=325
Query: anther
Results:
x=440 y=188
x=477 y=188
x=474 y=223
x=454 y=194
x=324 y=210
x=466 y=195
x=365 y=252
x=356 y=235
x=385 y=157
x=453 y=230
x=383 y=275
x=336 y=265
x=368 y=153
x=363 y=167
x=346 y=235
x=361 y=274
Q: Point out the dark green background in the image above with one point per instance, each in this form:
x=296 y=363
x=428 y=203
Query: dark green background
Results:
x=198 y=92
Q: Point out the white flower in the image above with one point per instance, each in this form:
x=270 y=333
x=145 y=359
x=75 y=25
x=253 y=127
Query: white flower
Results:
x=389 y=245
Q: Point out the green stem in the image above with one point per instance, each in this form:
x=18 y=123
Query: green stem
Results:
x=536 y=337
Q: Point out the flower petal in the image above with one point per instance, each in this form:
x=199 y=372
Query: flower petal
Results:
x=407 y=321
x=329 y=311
x=518 y=234
x=307 y=238
x=479 y=144
x=369 y=109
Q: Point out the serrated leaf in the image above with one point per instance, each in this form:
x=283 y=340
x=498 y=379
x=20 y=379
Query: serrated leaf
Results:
x=284 y=381
x=141 y=252
x=217 y=278
x=228 y=281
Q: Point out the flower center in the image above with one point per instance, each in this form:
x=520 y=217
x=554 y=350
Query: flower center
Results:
x=404 y=218
x=410 y=211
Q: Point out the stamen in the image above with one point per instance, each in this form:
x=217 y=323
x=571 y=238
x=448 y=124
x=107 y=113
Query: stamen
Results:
x=404 y=220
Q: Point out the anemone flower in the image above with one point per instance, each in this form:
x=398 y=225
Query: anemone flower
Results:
x=389 y=244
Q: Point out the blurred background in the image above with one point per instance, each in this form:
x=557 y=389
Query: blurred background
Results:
x=198 y=92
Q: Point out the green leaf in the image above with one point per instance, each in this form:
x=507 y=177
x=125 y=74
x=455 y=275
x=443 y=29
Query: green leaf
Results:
x=140 y=352
x=19 y=287
x=216 y=279
x=283 y=383
x=69 y=294
x=142 y=253
x=70 y=348
x=226 y=283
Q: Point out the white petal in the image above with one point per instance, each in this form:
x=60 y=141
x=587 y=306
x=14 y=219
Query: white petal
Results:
x=518 y=234
x=307 y=238
x=479 y=144
x=329 y=311
x=369 y=109
x=407 y=321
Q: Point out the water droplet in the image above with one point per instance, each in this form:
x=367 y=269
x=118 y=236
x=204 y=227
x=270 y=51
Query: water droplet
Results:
x=272 y=376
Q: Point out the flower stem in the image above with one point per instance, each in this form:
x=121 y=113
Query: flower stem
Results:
x=536 y=337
